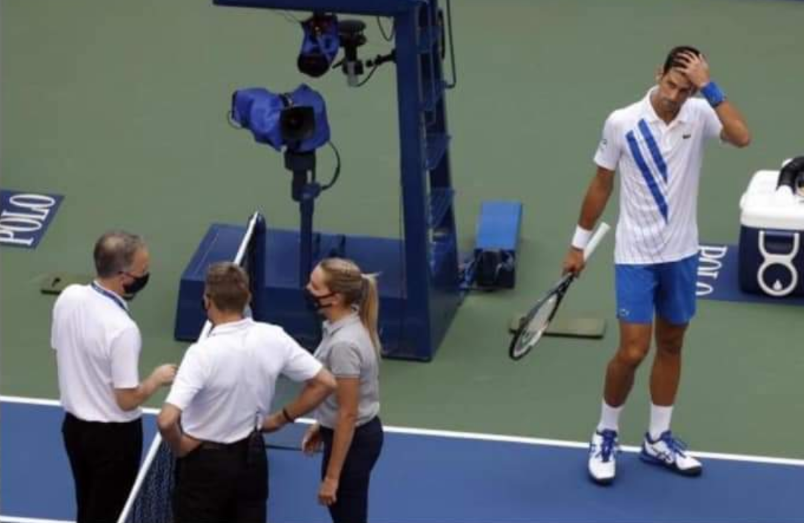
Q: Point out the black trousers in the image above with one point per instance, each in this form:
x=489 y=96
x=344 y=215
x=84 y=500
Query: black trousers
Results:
x=218 y=482
x=104 y=458
x=353 y=486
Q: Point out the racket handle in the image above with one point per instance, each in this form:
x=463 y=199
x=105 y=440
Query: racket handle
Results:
x=600 y=233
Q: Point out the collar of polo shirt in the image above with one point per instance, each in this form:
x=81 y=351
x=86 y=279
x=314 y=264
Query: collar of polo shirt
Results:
x=333 y=327
x=110 y=294
x=230 y=326
x=683 y=115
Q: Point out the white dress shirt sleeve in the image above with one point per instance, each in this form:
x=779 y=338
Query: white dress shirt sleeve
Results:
x=125 y=355
x=193 y=373
x=299 y=364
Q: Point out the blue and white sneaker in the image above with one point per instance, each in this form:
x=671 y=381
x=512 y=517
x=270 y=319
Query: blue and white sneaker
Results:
x=670 y=452
x=602 y=450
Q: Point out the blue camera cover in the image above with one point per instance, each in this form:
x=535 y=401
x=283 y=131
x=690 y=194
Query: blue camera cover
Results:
x=320 y=44
x=259 y=110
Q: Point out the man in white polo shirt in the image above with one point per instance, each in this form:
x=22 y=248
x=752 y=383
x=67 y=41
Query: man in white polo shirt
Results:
x=97 y=348
x=656 y=146
x=221 y=399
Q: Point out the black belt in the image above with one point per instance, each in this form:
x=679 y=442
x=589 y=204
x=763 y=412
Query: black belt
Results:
x=237 y=445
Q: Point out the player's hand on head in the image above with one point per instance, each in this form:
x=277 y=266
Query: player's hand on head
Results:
x=695 y=67
x=573 y=262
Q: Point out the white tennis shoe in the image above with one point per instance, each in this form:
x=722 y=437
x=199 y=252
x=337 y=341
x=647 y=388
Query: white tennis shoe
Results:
x=602 y=451
x=669 y=452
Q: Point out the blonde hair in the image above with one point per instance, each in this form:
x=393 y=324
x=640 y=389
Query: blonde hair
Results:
x=360 y=290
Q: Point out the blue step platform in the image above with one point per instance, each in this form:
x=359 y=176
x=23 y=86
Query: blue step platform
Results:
x=496 y=244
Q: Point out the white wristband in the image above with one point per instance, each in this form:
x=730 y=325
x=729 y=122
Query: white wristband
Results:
x=581 y=238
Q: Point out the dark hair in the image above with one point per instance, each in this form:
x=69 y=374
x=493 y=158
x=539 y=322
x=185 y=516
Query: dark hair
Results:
x=227 y=286
x=114 y=252
x=672 y=57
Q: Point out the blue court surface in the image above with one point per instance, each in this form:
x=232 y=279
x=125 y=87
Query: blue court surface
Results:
x=440 y=477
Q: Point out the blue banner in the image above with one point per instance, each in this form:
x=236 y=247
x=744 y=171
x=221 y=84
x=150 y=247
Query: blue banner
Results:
x=25 y=216
x=718 y=277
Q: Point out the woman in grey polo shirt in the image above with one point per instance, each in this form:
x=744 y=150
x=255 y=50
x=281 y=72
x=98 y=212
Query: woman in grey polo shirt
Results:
x=348 y=426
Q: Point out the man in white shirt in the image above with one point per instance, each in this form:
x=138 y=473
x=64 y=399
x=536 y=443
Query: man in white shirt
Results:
x=221 y=399
x=97 y=348
x=656 y=146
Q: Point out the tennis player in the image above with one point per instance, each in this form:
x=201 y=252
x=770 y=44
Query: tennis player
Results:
x=656 y=145
x=348 y=424
x=221 y=399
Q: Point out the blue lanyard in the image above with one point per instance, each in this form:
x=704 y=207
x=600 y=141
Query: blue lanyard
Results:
x=112 y=296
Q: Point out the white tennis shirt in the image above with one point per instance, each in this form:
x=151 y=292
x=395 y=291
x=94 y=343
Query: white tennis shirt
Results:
x=97 y=349
x=659 y=166
x=225 y=383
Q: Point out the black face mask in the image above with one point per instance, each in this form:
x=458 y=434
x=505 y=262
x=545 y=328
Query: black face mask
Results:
x=139 y=283
x=314 y=302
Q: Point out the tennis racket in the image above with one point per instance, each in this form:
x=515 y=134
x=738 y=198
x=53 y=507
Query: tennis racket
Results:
x=535 y=323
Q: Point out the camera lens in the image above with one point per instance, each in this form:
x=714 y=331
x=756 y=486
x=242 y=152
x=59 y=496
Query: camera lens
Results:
x=298 y=123
x=293 y=122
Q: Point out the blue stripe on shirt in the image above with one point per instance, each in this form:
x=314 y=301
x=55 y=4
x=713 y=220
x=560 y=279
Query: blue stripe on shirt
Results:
x=653 y=148
x=646 y=174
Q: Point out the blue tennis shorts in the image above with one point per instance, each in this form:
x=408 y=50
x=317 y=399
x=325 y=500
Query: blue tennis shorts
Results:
x=666 y=289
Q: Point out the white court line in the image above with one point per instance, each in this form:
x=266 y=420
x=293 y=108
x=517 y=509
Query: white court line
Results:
x=15 y=519
x=30 y=401
x=52 y=403
x=490 y=437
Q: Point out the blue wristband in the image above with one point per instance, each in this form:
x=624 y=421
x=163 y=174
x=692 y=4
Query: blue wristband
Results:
x=713 y=94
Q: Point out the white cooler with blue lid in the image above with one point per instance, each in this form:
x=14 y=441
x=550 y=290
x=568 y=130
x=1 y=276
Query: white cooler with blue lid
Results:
x=771 y=259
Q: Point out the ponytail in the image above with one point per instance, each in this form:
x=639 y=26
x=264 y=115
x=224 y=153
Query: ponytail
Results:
x=370 y=309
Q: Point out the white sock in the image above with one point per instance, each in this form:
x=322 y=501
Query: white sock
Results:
x=659 y=420
x=609 y=417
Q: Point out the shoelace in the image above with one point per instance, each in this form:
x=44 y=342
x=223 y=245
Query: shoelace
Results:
x=608 y=446
x=675 y=445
